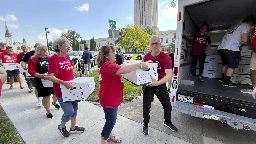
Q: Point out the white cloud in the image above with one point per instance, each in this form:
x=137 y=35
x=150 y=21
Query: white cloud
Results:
x=84 y=7
x=9 y=18
x=54 y=33
x=167 y=18
x=12 y=25
x=129 y=17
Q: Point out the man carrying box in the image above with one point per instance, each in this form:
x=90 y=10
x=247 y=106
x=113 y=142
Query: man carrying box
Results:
x=158 y=87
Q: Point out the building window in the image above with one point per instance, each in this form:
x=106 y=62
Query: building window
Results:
x=161 y=39
x=166 y=40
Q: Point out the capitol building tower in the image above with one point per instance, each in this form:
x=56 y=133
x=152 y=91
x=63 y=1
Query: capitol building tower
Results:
x=146 y=13
x=8 y=36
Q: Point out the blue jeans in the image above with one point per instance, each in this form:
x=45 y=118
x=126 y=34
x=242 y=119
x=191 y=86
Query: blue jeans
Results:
x=110 y=116
x=69 y=109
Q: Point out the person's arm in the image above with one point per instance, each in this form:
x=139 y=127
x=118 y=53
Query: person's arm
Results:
x=32 y=69
x=3 y=76
x=246 y=40
x=129 y=68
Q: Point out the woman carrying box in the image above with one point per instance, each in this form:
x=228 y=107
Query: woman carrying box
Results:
x=60 y=72
x=111 y=88
x=10 y=57
x=37 y=68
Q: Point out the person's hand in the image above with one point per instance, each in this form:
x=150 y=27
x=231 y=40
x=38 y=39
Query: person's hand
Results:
x=43 y=77
x=82 y=75
x=253 y=93
x=154 y=82
x=143 y=66
x=68 y=85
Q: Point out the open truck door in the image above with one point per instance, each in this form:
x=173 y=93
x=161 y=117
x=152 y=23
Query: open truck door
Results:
x=210 y=100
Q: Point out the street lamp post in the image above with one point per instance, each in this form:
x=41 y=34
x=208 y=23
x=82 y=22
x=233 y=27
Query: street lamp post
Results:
x=46 y=32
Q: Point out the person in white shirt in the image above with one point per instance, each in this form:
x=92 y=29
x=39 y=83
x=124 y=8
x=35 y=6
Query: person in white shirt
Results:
x=229 y=49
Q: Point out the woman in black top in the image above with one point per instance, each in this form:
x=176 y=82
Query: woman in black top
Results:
x=38 y=67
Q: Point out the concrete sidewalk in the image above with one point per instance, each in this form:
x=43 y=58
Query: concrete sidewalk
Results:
x=33 y=126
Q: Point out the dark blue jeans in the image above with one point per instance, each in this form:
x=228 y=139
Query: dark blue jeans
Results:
x=110 y=116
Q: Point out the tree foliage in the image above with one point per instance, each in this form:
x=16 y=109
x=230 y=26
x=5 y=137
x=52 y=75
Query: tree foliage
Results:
x=83 y=42
x=73 y=37
x=134 y=37
x=92 y=44
x=150 y=31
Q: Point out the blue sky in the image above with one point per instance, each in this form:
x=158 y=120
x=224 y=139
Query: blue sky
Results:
x=88 y=17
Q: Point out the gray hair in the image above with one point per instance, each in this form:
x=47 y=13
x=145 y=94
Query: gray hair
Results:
x=37 y=50
x=59 y=42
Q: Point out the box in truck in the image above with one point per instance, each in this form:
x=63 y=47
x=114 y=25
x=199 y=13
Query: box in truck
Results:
x=209 y=99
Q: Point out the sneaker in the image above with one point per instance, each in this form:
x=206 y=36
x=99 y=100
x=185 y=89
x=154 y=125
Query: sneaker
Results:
x=30 y=91
x=170 y=126
x=229 y=84
x=49 y=115
x=246 y=91
x=63 y=131
x=200 y=79
x=39 y=102
x=56 y=106
x=145 y=130
x=77 y=129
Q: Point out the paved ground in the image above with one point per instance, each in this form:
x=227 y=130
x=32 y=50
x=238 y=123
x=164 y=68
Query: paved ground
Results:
x=35 y=128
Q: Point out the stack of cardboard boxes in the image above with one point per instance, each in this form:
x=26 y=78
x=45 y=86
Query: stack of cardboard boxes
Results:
x=213 y=66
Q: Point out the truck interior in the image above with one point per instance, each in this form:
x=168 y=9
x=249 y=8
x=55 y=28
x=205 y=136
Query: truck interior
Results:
x=220 y=15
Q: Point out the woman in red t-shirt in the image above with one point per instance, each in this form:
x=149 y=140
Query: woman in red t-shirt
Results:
x=10 y=57
x=37 y=68
x=111 y=88
x=61 y=71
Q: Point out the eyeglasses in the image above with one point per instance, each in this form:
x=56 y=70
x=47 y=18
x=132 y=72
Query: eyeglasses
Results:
x=156 y=43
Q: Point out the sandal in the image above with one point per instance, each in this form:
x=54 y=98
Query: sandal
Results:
x=21 y=87
x=11 y=87
x=114 y=139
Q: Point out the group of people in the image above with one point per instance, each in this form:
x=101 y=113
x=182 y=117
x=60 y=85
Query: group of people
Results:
x=229 y=49
x=58 y=69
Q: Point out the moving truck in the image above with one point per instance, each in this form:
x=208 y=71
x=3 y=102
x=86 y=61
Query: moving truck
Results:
x=209 y=99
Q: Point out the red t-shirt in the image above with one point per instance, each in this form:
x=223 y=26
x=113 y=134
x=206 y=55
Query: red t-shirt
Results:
x=254 y=39
x=2 y=51
x=111 y=85
x=63 y=69
x=164 y=62
x=19 y=57
x=199 y=44
x=9 y=58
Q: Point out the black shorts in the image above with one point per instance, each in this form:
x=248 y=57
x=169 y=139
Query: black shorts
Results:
x=230 y=58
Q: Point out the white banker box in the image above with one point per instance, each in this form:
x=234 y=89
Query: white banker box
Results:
x=139 y=76
x=10 y=66
x=83 y=87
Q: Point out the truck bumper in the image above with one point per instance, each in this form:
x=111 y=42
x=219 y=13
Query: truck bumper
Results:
x=233 y=120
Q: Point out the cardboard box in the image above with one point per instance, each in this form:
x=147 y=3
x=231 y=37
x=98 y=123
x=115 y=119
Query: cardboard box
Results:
x=47 y=83
x=83 y=87
x=242 y=69
x=10 y=66
x=212 y=74
x=212 y=51
x=139 y=76
x=245 y=51
x=213 y=59
x=245 y=61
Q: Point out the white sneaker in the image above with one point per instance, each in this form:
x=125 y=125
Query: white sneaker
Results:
x=39 y=102
x=246 y=91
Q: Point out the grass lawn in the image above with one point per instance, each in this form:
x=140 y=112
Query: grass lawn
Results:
x=131 y=91
x=8 y=133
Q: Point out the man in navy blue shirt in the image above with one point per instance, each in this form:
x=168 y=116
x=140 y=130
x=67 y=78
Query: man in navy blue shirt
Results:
x=87 y=56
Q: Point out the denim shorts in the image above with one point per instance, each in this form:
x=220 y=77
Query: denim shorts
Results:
x=13 y=72
x=69 y=109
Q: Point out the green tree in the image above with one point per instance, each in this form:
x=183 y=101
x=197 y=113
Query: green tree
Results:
x=73 y=37
x=150 y=31
x=83 y=42
x=92 y=44
x=134 y=37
